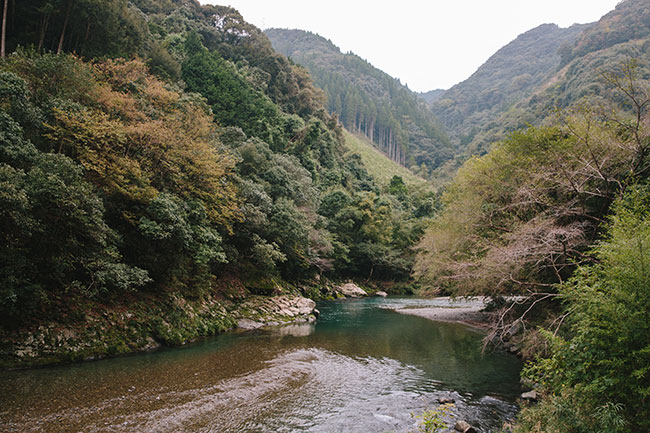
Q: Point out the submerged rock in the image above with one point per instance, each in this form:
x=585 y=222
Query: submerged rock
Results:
x=445 y=400
x=351 y=290
x=249 y=324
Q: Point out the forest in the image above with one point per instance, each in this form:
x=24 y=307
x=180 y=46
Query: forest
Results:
x=557 y=214
x=369 y=101
x=163 y=150
x=183 y=157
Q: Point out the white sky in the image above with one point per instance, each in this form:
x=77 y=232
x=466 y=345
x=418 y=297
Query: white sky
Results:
x=426 y=44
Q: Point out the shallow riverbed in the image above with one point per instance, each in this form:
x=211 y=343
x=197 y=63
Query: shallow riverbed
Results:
x=361 y=368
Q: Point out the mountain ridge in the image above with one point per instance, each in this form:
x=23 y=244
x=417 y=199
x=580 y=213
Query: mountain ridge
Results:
x=369 y=101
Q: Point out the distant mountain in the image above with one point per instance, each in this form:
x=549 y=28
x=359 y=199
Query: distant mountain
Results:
x=511 y=74
x=629 y=21
x=541 y=70
x=369 y=101
x=432 y=95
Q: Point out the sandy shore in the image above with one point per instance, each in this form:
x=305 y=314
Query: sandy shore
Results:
x=468 y=311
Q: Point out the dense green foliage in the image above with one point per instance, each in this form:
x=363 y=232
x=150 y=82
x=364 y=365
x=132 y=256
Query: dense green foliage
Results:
x=432 y=95
x=87 y=27
x=597 y=377
x=629 y=21
x=523 y=215
x=207 y=162
x=369 y=101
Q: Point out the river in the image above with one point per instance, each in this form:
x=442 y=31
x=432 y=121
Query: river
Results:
x=361 y=368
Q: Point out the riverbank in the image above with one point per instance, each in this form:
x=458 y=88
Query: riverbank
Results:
x=360 y=369
x=469 y=311
x=143 y=324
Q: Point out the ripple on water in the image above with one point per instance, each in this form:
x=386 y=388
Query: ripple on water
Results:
x=303 y=390
x=359 y=370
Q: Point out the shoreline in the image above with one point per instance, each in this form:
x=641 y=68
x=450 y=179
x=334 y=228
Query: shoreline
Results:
x=468 y=311
x=146 y=325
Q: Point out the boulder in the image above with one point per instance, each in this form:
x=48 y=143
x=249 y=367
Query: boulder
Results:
x=530 y=396
x=382 y=294
x=292 y=306
x=464 y=427
x=351 y=290
x=261 y=311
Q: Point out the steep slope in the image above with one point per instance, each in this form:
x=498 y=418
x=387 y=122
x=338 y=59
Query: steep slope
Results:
x=186 y=161
x=369 y=101
x=511 y=74
x=630 y=20
x=583 y=65
x=380 y=166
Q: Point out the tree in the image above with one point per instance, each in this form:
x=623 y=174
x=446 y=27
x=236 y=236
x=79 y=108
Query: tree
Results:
x=597 y=377
x=4 y=28
x=68 y=8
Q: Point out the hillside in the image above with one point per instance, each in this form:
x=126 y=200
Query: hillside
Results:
x=578 y=76
x=183 y=163
x=432 y=95
x=510 y=75
x=379 y=166
x=555 y=210
x=369 y=101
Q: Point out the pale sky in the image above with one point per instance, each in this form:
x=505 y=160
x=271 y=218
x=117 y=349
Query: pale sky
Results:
x=426 y=44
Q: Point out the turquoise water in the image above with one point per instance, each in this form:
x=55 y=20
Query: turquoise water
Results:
x=360 y=368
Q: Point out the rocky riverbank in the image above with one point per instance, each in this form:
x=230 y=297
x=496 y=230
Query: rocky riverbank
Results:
x=97 y=330
x=469 y=311
x=101 y=331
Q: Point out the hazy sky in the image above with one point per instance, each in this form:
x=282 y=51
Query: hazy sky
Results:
x=426 y=44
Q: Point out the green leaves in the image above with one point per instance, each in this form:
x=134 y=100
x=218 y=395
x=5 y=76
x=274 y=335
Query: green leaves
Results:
x=606 y=352
x=179 y=239
x=54 y=234
x=234 y=102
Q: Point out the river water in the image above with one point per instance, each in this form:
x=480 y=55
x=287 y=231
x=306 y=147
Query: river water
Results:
x=360 y=368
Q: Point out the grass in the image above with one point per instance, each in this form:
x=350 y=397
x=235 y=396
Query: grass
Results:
x=380 y=167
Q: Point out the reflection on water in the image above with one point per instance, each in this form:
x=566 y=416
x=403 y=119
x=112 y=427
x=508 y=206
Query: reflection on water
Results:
x=359 y=369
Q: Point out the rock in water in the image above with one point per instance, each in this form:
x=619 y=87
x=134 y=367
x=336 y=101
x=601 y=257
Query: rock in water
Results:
x=464 y=427
x=259 y=311
x=382 y=294
x=351 y=290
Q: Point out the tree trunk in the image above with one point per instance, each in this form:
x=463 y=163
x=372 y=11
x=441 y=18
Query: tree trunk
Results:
x=4 y=29
x=83 y=46
x=45 y=22
x=65 y=26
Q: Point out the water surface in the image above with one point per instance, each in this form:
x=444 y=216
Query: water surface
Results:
x=361 y=368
